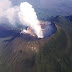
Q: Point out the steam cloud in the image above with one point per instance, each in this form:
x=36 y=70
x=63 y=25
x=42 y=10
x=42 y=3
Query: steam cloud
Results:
x=7 y=12
x=28 y=16
x=24 y=14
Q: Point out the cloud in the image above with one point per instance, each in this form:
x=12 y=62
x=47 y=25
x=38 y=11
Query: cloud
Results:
x=24 y=14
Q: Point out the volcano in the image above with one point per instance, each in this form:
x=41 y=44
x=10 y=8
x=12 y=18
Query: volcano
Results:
x=48 y=28
x=32 y=40
x=24 y=52
x=25 y=45
x=21 y=50
x=24 y=39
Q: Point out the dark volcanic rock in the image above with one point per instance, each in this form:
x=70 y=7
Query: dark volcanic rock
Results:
x=69 y=18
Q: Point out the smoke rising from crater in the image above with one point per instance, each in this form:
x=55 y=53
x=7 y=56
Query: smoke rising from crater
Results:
x=25 y=14
x=28 y=16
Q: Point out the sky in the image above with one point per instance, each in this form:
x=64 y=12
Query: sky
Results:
x=53 y=3
x=46 y=3
x=58 y=6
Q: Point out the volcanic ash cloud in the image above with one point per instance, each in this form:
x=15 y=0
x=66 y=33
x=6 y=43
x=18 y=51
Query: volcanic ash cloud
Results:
x=27 y=16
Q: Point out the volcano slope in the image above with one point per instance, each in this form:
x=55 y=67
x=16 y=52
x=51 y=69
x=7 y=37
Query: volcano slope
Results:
x=52 y=54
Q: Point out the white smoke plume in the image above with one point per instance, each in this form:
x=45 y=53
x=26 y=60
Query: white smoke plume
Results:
x=25 y=13
x=28 y=16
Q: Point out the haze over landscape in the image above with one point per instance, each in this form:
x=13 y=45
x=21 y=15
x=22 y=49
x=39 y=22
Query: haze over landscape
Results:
x=57 y=6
